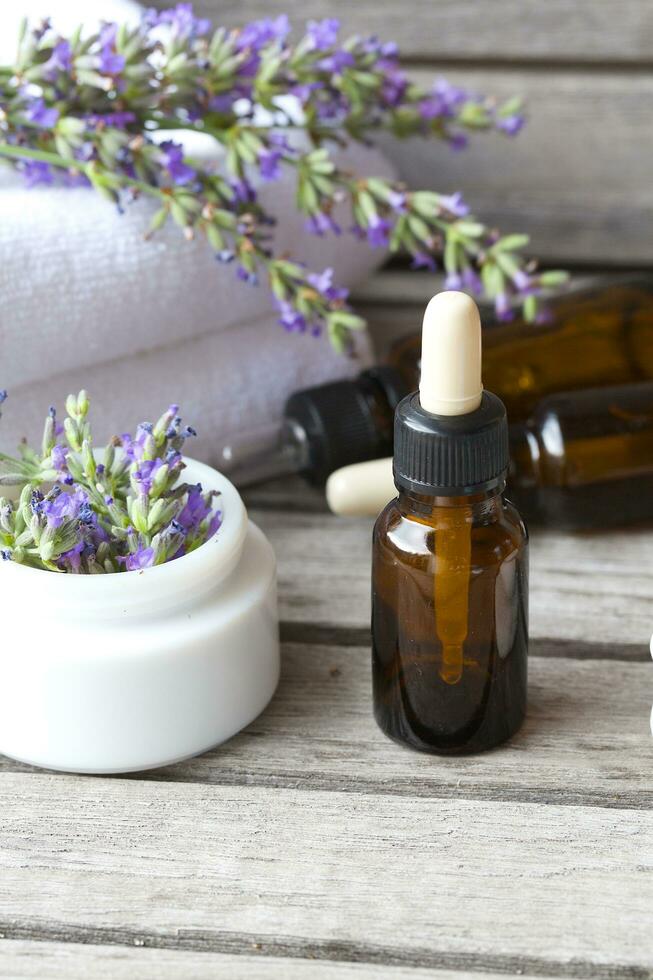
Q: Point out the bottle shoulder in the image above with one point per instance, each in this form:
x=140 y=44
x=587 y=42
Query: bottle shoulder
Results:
x=494 y=536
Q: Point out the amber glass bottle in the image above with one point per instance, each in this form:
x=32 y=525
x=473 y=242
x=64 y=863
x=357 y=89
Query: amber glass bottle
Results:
x=585 y=458
x=602 y=335
x=424 y=696
x=450 y=557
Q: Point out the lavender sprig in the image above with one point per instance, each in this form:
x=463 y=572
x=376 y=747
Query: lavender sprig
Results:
x=85 y=109
x=126 y=513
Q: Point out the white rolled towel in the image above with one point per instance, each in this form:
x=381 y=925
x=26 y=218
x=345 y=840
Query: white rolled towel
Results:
x=227 y=383
x=80 y=286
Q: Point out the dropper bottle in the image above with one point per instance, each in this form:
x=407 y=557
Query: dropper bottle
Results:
x=599 y=335
x=450 y=556
x=584 y=459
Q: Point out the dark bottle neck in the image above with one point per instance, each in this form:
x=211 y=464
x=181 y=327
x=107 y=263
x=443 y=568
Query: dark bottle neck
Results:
x=484 y=506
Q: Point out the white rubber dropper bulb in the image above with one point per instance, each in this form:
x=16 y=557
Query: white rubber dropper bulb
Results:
x=451 y=355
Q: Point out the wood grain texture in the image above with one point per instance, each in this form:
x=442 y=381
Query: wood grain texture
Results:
x=335 y=875
x=43 y=960
x=558 y=30
x=593 y=587
x=25 y=960
x=586 y=740
x=577 y=179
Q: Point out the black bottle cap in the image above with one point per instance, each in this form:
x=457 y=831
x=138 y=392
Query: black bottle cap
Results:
x=450 y=455
x=347 y=421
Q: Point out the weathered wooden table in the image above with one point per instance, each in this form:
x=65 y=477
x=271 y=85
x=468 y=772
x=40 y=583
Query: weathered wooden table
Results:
x=311 y=846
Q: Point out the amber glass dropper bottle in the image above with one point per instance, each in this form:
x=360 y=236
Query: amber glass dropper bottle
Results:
x=450 y=557
x=599 y=335
x=584 y=459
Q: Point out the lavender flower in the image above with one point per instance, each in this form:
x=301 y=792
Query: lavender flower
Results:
x=36 y=172
x=377 y=232
x=322 y=34
x=38 y=113
x=126 y=513
x=88 y=108
x=262 y=33
x=143 y=557
x=109 y=62
x=269 y=163
x=454 y=204
x=511 y=124
x=182 y=21
x=320 y=223
x=172 y=158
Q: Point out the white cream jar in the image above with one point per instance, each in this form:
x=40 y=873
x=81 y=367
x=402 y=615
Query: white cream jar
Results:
x=112 y=673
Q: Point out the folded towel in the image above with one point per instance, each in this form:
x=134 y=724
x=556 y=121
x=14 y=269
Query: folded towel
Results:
x=227 y=384
x=84 y=301
x=78 y=285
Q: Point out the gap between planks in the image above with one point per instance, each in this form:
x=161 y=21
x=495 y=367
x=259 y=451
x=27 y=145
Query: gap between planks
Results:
x=586 y=740
x=309 y=956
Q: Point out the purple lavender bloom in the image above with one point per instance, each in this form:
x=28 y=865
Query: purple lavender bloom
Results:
x=422 y=260
x=472 y=281
x=398 y=201
x=58 y=458
x=38 y=113
x=323 y=282
x=268 y=161
x=110 y=62
x=246 y=276
x=452 y=96
x=453 y=281
x=323 y=34
x=5 y=554
x=337 y=62
x=144 y=475
x=61 y=59
x=458 y=141
x=511 y=124
x=173 y=161
x=182 y=21
x=394 y=86
x=72 y=558
x=259 y=33
x=522 y=280
x=320 y=223
x=134 y=447
x=502 y=307
x=141 y=558
x=377 y=232
x=304 y=90
x=244 y=193
x=455 y=204
x=291 y=319
x=36 y=172
x=62 y=506
x=214 y=524
x=195 y=509
x=118 y=120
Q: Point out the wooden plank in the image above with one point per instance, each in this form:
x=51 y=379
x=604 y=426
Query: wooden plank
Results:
x=337 y=876
x=576 y=179
x=559 y=30
x=593 y=587
x=42 y=960
x=586 y=738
